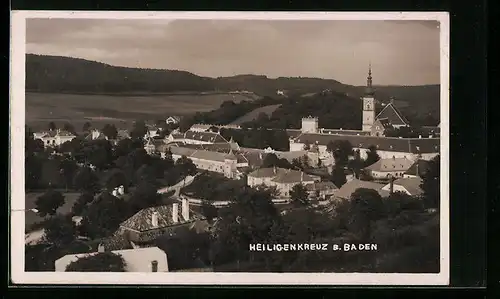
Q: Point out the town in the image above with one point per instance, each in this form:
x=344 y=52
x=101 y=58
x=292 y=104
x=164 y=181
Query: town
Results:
x=182 y=194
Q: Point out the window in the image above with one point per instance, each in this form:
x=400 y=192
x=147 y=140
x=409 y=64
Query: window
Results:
x=154 y=266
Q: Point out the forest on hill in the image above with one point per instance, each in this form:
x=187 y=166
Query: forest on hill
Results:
x=58 y=74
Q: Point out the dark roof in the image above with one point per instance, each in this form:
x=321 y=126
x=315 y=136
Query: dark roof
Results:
x=348 y=188
x=344 y=132
x=385 y=123
x=141 y=221
x=419 y=168
x=321 y=186
x=392 y=113
x=412 y=185
x=293 y=176
x=201 y=154
x=406 y=145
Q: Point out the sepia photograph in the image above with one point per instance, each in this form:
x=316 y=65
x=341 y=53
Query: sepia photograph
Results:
x=229 y=148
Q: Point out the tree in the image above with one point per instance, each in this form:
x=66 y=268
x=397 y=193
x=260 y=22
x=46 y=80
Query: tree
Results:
x=60 y=230
x=366 y=206
x=99 y=153
x=431 y=184
x=186 y=166
x=116 y=178
x=68 y=168
x=110 y=131
x=139 y=131
x=208 y=210
x=270 y=160
x=341 y=151
x=100 y=262
x=81 y=203
x=52 y=126
x=299 y=195
x=69 y=127
x=49 y=202
x=371 y=156
x=338 y=176
x=356 y=164
x=145 y=173
x=33 y=171
x=103 y=216
x=86 y=126
x=307 y=146
x=86 y=180
x=398 y=202
x=144 y=196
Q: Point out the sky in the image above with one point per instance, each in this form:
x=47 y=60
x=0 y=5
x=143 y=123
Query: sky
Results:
x=400 y=52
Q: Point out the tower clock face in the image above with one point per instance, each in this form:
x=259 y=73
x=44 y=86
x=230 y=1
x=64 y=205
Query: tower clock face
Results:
x=368 y=104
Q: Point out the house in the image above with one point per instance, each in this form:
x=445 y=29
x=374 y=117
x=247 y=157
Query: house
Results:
x=150 y=259
x=225 y=163
x=206 y=127
x=387 y=168
x=95 y=134
x=173 y=120
x=392 y=114
x=149 y=224
x=282 y=179
x=348 y=188
x=410 y=186
x=323 y=190
x=152 y=144
x=152 y=131
x=192 y=137
x=54 y=138
x=123 y=134
x=418 y=169
x=381 y=126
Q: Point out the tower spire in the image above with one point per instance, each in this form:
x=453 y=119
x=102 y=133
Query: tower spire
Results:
x=369 y=89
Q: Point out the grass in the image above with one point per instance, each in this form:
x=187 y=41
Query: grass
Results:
x=30 y=198
x=252 y=115
x=121 y=110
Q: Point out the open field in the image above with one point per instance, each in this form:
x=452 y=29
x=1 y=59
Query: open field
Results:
x=255 y=113
x=120 y=110
x=30 y=198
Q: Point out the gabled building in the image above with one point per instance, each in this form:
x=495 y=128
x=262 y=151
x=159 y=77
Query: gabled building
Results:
x=387 y=168
x=381 y=126
x=54 y=138
x=393 y=116
x=191 y=137
x=282 y=179
x=410 y=186
x=348 y=188
x=417 y=170
x=173 y=120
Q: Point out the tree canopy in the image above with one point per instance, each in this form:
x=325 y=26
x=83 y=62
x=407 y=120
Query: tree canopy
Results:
x=49 y=202
x=100 y=262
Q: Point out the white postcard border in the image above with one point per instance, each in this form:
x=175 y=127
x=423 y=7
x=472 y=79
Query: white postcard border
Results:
x=17 y=129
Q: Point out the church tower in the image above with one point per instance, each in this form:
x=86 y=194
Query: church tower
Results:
x=368 y=103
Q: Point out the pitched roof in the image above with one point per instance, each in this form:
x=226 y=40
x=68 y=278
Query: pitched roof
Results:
x=419 y=168
x=201 y=154
x=141 y=221
x=321 y=186
x=392 y=113
x=344 y=132
x=269 y=172
x=292 y=176
x=394 y=164
x=54 y=133
x=348 y=188
x=136 y=260
x=203 y=136
x=385 y=123
x=406 y=145
x=412 y=185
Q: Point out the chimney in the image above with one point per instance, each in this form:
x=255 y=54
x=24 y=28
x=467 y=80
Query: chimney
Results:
x=121 y=190
x=391 y=186
x=419 y=136
x=154 y=219
x=100 y=247
x=274 y=169
x=185 y=209
x=175 y=212
x=416 y=165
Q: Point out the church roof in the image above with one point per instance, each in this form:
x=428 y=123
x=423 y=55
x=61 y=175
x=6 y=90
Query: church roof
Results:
x=392 y=113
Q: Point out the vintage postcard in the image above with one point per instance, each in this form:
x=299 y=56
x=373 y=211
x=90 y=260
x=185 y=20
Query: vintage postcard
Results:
x=219 y=148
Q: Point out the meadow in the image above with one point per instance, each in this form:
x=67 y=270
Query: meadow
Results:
x=30 y=199
x=120 y=110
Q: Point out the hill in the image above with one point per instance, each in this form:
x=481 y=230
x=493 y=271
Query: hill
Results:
x=254 y=114
x=54 y=74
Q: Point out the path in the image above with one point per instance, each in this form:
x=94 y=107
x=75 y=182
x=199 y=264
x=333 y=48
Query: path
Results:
x=177 y=187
